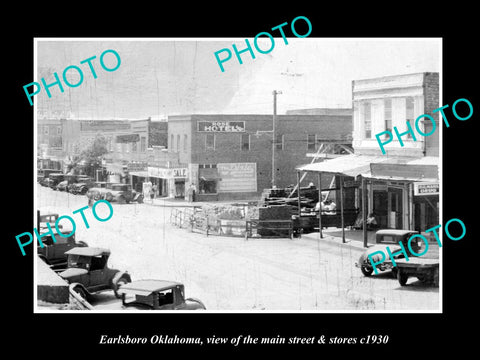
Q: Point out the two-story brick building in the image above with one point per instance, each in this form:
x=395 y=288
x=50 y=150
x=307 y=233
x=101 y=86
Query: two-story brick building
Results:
x=401 y=188
x=230 y=156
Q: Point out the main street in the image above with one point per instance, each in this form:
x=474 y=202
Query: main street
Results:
x=229 y=273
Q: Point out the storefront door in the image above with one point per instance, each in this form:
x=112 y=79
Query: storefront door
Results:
x=395 y=208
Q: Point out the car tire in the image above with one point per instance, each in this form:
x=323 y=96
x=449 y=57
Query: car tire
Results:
x=394 y=272
x=402 y=278
x=366 y=270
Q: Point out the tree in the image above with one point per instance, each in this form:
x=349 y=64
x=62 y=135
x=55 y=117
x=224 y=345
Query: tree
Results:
x=91 y=157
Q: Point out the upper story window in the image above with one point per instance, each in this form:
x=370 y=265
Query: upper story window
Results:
x=280 y=142
x=311 y=140
x=143 y=144
x=245 y=142
x=367 y=119
x=178 y=143
x=387 y=114
x=209 y=141
x=185 y=137
x=410 y=112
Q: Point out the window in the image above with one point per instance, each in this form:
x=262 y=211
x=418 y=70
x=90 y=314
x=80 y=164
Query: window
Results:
x=311 y=142
x=134 y=146
x=207 y=186
x=45 y=130
x=185 y=137
x=409 y=112
x=279 y=142
x=245 y=142
x=59 y=130
x=367 y=119
x=171 y=142
x=209 y=141
x=388 y=114
x=143 y=144
x=178 y=142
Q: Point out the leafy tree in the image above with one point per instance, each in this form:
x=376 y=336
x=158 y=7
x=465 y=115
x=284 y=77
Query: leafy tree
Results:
x=90 y=158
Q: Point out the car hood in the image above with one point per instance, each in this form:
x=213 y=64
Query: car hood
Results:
x=71 y=272
x=379 y=247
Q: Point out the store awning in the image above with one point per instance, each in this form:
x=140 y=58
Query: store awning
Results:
x=139 y=173
x=348 y=165
x=418 y=169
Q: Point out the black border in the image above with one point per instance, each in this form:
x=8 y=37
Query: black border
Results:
x=408 y=333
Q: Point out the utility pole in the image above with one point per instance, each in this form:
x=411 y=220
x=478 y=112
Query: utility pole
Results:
x=274 y=135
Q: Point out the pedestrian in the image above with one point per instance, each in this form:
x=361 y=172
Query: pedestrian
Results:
x=152 y=194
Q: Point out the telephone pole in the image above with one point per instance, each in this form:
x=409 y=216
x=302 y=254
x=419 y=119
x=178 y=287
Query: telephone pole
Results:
x=274 y=135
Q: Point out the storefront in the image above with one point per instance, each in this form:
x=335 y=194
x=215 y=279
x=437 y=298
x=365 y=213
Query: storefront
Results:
x=168 y=182
x=426 y=207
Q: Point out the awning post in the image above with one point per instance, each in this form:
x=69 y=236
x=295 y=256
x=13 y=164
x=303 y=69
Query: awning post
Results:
x=364 y=212
x=320 y=201
x=341 y=208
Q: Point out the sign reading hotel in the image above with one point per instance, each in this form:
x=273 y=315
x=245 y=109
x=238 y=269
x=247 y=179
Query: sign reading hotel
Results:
x=237 y=177
x=221 y=126
x=426 y=188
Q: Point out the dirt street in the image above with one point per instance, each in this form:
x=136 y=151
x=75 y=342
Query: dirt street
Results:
x=229 y=273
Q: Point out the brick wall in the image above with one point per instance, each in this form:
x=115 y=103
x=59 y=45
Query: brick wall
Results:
x=431 y=102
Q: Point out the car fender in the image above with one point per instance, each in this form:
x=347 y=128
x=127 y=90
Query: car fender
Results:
x=117 y=276
x=194 y=304
x=75 y=284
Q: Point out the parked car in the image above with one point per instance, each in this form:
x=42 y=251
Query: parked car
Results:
x=81 y=186
x=387 y=238
x=157 y=295
x=54 y=180
x=88 y=272
x=54 y=253
x=121 y=193
x=62 y=185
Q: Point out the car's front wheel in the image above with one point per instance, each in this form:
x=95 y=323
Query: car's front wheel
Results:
x=366 y=269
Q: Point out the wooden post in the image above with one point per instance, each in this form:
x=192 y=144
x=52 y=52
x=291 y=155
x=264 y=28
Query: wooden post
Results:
x=320 y=201
x=341 y=208
x=364 y=212
x=298 y=199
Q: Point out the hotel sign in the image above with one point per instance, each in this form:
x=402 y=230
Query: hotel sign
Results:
x=221 y=126
x=426 y=188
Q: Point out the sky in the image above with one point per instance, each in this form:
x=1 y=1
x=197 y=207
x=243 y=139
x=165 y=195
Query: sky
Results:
x=162 y=77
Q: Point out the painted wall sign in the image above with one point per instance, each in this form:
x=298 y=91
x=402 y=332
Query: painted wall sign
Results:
x=237 y=177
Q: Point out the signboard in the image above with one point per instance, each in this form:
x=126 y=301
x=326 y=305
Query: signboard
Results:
x=221 y=126
x=426 y=188
x=164 y=173
x=127 y=138
x=237 y=177
x=137 y=166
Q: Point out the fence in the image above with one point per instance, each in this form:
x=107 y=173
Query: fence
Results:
x=197 y=221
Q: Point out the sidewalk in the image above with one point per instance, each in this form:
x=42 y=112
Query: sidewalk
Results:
x=353 y=238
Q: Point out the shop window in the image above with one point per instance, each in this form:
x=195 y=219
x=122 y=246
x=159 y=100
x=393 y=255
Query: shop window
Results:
x=279 y=143
x=311 y=142
x=388 y=114
x=209 y=141
x=207 y=186
x=245 y=142
x=367 y=119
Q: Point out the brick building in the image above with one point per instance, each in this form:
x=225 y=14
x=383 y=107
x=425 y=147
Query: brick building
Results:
x=230 y=156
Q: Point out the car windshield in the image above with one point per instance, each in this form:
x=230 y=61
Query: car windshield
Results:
x=79 y=261
x=387 y=239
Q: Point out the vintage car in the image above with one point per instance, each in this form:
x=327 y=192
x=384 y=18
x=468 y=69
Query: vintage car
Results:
x=54 y=180
x=53 y=252
x=88 y=273
x=121 y=193
x=62 y=185
x=387 y=238
x=157 y=295
x=81 y=185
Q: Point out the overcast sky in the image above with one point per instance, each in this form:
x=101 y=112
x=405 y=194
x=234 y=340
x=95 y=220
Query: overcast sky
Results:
x=166 y=77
